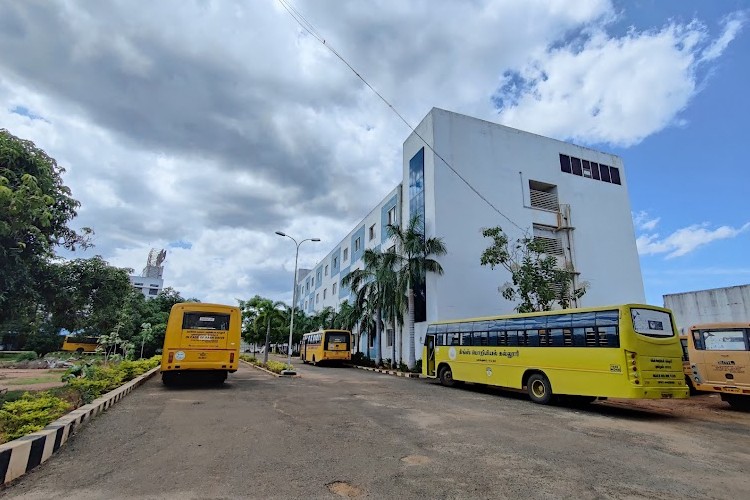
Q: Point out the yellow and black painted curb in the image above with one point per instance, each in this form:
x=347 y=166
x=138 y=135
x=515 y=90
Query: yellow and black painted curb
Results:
x=21 y=455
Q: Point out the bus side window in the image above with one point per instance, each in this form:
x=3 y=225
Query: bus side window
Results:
x=493 y=338
x=466 y=338
x=698 y=340
x=512 y=337
x=452 y=339
x=579 y=337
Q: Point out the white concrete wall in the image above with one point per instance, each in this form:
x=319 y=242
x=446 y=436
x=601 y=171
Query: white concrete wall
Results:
x=718 y=305
x=499 y=162
x=147 y=285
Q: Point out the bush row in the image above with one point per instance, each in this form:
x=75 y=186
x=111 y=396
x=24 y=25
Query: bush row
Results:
x=83 y=384
x=273 y=366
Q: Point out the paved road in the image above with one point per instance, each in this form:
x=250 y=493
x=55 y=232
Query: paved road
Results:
x=343 y=432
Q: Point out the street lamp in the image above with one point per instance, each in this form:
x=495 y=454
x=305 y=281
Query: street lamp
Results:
x=289 y=370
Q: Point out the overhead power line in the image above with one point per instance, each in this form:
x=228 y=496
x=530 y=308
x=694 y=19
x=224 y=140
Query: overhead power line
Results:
x=307 y=26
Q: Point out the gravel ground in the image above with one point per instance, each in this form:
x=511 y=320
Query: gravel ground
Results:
x=341 y=432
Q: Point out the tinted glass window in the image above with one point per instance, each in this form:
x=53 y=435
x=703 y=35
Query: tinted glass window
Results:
x=205 y=321
x=604 y=171
x=565 y=163
x=576 y=166
x=614 y=173
x=595 y=170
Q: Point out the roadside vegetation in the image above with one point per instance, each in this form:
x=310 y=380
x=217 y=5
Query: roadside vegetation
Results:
x=85 y=381
x=272 y=366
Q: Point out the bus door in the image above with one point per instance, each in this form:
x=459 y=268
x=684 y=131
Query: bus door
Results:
x=430 y=343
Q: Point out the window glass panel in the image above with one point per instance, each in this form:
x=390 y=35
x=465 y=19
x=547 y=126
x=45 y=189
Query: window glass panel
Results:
x=586 y=168
x=576 y=166
x=481 y=338
x=532 y=337
x=584 y=319
x=595 y=170
x=604 y=171
x=608 y=336
x=466 y=338
x=513 y=337
x=536 y=322
x=481 y=326
x=441 y=328
x=565 y=163
x=467 y=327
x=724 y=340
x=544 y=338
x=515 y=324
x=698 y=340
x=452 y=339
x=559 y=321
x=607 y=318
x=579 y=337
x=615 y=174
x=440 y=339
x=492 y=338
x=556 y=337
x=431 y=329
x=497 y=325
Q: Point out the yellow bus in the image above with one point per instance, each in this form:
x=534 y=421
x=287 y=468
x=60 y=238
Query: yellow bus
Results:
x=74 y=343
x=623 y=351
x=719 y=358
x=203 y=339
x=332 y=346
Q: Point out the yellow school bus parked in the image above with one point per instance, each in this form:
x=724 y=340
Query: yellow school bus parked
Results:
x=719 y=360
x=80 y=345
x=622 y=351
x=201 y=338
x=326 y=346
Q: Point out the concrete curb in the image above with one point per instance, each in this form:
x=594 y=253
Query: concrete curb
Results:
x=277 y=375
x=19 y=456
x=389 y=372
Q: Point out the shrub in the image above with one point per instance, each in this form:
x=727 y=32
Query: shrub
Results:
x=30 y=413
x=27 y=356
x=275 y=366
x=403 y=367
x=417 y=367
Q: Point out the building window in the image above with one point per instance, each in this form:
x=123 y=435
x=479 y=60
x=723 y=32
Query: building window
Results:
x=313 y=281
x=346 y=253
x=326 y=271
x=548 y=238
x=589 y=169
x=153 y=291
x=389 y=335
x=305 y=304
x=372 y=232
x=544 y=196
x=317 y=298
x=333 y=289
x=325 y=293
x=416 y=207
x=320 y=280
x=357 y=244
x=392 y=216
x=308 y=286
x=335 y=264
x=138 y=284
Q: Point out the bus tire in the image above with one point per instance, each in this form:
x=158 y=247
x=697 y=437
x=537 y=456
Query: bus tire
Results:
x=167 y=378
x=737 y=402
x=446 y=376
x=539 y=388
x=691 y=386
x=314 y=363
x=79 y=350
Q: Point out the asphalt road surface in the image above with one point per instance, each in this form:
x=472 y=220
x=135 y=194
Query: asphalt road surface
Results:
x=341 y=432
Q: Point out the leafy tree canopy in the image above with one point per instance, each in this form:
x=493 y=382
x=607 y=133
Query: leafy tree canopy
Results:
x=537 y=280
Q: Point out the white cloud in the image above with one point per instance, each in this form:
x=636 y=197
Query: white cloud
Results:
x=644 y=222
x=685 y=240
x=617 y=90
x=229 y=122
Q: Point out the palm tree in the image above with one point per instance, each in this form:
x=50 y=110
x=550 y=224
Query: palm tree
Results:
x=375 y=284
x=267 y=313
x=414 y=253
x=346 y=317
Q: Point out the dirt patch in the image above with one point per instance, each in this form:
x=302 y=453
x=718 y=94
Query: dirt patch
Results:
x=344 y=489
x=416 y=460
x=707 y=407
x=16 y=379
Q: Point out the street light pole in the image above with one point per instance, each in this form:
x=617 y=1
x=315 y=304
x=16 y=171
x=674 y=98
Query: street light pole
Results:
x=294 y=298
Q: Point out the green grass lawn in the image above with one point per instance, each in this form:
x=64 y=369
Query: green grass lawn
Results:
x=43 y=379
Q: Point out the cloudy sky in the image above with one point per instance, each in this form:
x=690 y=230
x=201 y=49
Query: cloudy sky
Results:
x=204 y=126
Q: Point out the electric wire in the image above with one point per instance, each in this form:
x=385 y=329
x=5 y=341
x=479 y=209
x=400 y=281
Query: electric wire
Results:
x=307 y=26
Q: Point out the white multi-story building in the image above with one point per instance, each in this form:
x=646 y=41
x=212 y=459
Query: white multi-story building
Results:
x=151 y=281
x=573 y=197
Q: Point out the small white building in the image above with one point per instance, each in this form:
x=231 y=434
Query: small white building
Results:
x=717 y=305
x=151 y=281
x=574 y=197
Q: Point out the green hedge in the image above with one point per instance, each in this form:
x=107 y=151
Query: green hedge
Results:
x=273 y=366
x=84 y=383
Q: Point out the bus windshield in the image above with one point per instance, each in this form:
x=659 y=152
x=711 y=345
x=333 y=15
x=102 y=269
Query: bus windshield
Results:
x=342 y=338
x=652 y=323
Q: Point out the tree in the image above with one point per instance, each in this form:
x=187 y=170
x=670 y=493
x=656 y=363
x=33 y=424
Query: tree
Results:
x=537 y=281
x=413 y=255
x=87 y=296
x=146 y=335
x=375 y=284
x=262 y=315
x=35 y=210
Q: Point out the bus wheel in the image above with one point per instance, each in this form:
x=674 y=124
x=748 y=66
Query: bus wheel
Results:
x=540 y=390
x=79 y=350
x=737 y=402
x=689 y=382
x=167 y=378
x=220 y=378
x=313 y=361
x=446 y=376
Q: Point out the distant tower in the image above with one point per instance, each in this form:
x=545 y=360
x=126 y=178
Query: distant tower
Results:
x=151 y=282
x=154 y=268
